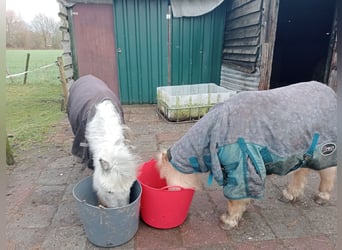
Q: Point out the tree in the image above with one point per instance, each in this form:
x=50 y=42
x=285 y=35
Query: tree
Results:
x=17 y=32
x=42 y=33
x=46 y=28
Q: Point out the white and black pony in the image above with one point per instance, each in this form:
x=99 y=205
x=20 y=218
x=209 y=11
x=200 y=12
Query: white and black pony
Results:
x=97 y=121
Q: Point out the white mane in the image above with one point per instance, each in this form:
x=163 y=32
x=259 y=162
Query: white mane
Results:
x=113 y=177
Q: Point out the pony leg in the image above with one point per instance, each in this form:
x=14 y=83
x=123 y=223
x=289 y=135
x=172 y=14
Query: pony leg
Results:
x=326 y=185
x=231 y=218
x=296 y=185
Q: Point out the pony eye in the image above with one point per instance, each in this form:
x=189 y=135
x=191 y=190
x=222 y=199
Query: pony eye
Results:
x=109 y=192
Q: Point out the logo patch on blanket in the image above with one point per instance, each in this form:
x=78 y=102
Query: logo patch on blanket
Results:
x=328 y=149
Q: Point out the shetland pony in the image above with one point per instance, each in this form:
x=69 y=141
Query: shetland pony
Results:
x=291 y=129
x=101 y=140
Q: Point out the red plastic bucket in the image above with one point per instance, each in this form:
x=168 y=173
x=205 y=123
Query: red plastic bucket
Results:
x=162 y=206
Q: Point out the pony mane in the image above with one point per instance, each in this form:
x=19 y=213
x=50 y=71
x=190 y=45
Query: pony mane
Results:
x=108 y=136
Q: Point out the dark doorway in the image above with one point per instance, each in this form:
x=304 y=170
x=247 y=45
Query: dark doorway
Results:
x=302 y=41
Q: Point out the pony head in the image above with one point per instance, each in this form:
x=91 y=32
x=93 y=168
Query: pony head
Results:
x=113 y=178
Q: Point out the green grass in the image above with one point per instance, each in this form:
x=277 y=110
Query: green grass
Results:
x=32 y=109
x=16 y=62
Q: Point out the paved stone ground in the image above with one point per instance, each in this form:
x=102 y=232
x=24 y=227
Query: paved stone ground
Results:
x=42 y=212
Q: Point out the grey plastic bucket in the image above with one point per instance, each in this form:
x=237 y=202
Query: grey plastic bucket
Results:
x=107 y=227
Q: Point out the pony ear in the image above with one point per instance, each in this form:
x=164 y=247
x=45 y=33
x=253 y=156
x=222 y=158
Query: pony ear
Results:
x=104 y=165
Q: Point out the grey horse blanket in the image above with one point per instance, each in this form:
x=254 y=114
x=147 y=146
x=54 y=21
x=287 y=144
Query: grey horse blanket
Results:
x=84 y=94
x=256 y=133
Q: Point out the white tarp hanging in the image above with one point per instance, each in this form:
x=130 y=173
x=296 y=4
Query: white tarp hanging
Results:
x=193 y=7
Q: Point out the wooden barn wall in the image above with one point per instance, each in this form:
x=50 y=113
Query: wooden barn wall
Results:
x=141 y=41
x=66 y=44
x=242 y=38
x=197 y=44
x=242 y=34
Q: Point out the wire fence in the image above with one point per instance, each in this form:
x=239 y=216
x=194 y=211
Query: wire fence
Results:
x=45 y=73
x=33 y=70
x=36 y=66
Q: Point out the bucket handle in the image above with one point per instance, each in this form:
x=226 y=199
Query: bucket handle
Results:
x=174 y=188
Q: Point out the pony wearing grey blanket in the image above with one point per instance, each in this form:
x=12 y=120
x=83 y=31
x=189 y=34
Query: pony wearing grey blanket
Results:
x=97 y=121
x=292 y=129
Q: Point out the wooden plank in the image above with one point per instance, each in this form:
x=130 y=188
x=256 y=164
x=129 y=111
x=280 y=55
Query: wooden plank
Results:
x=252 y=19
x=251 y=31
x=239 y=3
x=239 y=57
x=67 y=59
x=241 y=50
x=264 y=74
x=65 y=37
x=66 y=46
x=240 y=66
x=268 y=39
x=249 y=41
x=247 y=9
x=69 y=73
x=63 y=14
x=64 y=29
x=62 y=10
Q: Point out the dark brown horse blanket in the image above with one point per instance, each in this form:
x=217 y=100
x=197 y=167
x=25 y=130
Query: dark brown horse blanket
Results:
x=84 y=94
x=255 y=133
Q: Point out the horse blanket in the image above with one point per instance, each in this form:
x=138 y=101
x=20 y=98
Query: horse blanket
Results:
x=84 y=94
x=255 y=133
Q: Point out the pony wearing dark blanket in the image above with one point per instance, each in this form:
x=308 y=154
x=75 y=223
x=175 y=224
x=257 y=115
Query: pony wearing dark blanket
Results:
x=291 y=129
x=97 y=121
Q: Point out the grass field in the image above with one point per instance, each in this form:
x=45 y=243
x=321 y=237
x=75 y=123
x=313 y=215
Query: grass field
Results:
x=16 y=62
x=32 y=109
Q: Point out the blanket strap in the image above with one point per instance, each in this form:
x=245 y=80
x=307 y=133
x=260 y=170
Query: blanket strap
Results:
x=210 y=179
x=308 y=155
x=168 y=153
x=312 y=147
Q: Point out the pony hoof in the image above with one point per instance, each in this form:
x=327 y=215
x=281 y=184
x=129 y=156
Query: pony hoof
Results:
x=320 y=200
x=287 y=197
x=227 y=223
x=284 y=199
x=226 y=226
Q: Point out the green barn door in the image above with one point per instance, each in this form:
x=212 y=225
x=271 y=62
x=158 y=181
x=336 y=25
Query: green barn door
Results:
x=197 y=44
x=142 y=40
x=141 y=45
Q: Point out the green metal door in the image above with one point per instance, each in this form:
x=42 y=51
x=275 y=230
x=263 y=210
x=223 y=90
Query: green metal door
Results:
x=197 y=44
x=142 y=40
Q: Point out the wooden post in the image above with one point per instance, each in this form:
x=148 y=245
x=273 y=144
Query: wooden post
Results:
x=63 y=81
x=9 y=154
x=265 y=68
x=26 y=67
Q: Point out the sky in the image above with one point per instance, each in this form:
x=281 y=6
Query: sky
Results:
x=27 y=9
